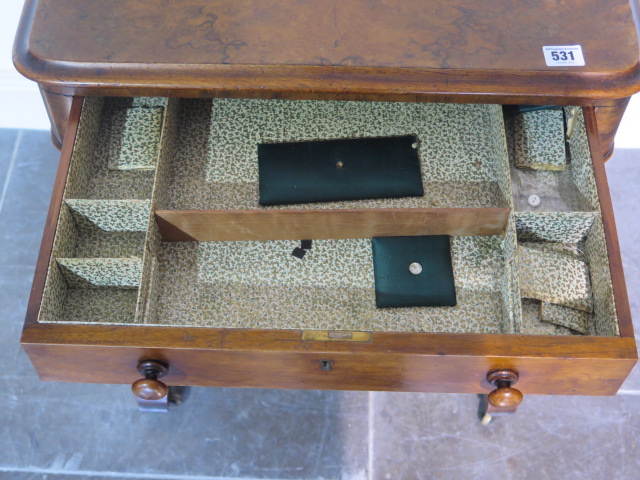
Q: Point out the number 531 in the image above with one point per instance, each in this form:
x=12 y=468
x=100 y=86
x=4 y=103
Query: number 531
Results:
x=562 y=55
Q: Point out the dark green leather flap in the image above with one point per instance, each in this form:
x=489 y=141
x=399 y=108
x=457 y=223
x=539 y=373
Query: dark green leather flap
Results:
x=397 y=286
x=337 y=170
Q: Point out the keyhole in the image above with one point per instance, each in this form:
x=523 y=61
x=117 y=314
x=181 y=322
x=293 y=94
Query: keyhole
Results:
x=326 y=364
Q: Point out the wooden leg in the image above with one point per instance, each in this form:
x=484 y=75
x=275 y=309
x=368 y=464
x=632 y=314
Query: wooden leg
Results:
x=609 y=115
x=58 y=107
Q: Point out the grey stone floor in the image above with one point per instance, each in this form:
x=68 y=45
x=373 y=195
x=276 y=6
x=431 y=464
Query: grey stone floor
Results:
x=66 y=431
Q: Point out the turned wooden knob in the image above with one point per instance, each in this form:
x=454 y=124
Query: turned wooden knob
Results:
x=149 y=387
x=504 y=396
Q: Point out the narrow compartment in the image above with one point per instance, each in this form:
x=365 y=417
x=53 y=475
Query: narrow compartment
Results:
x=576 y=238
x=116 y=149
x=103 y=228
x=96 y=262
x=262 y=285
x=64 y=302
x=557 y=186
x=461 y=147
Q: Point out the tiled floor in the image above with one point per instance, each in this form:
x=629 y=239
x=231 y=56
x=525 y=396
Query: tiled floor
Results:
x=66 y=431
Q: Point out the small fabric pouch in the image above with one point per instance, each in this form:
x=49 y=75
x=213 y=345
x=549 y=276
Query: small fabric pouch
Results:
x=338 y=170
x=135 y=138
x=554 y=277
x=413 y=271
x=566 y=317
x=539 y=140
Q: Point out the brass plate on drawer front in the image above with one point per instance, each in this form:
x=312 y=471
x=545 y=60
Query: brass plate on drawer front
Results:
x=335 y=336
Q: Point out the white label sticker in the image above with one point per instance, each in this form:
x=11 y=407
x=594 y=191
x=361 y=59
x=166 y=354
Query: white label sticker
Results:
x=563 y=56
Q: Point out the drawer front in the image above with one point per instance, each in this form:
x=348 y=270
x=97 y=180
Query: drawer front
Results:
x=281 y=359
x=452 y=360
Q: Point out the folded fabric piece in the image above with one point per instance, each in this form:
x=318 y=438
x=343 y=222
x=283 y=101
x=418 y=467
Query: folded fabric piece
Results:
x=566 y=317
x=532 y=325
x=336 y=170
x=413 y=271
x=539 y=140
x=135 y=138
x=554 y=277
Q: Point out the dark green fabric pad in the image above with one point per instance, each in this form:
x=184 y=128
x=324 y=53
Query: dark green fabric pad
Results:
x=396 y=286
x=336 y=170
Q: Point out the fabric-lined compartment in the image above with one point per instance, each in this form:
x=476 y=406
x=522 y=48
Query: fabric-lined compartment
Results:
x=62 y=302
x=101 y=272
x=96 y=265
x=570 y=189
x=498 y=310
x=134 y=138
x=96 y=229
x=461 y=147
x=88 y=280
x=90 y=176
x=539 y=140
x=262 y=285
x=574 y=233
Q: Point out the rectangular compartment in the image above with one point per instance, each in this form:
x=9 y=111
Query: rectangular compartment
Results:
x=462 y=149
x=262 y=285
x=570 y=189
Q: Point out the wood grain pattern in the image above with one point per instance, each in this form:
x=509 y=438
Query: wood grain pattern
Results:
x=625 y=323
x=219 y=225
x=280 y=359
x=609 y=117
x=400 y=47
x=51 y=223
x=58 y=107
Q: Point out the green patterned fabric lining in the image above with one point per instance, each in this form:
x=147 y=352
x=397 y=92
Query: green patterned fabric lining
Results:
x=539 y=140
x=567 y=317
x=109 y=264
x=555 y=278
x=134 y=137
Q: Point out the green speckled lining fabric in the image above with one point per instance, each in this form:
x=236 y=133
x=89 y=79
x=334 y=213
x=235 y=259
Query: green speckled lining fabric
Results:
x=111 y=215
x=555 y=278
x=101 y=272
x=539 y=140
x=566 y=317
x=604 y=307
x=134 y=138
x=581 y=164
x=462 y=149
x=533 y=325
x=261 y=285
x=100 y=305
x=109 y=264
x=562 y=227
x=569 y=190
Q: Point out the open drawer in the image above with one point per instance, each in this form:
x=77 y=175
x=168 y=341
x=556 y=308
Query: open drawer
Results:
x=155 y=248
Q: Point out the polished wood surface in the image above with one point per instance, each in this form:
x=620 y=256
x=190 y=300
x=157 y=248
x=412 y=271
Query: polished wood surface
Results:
x=58 y=107
x=149 y=387
x=504 y=396
x=573 y=365
x=51 y=223
x=219 y=225
x=396 y=47
x=625 y=323
x=608 y=116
